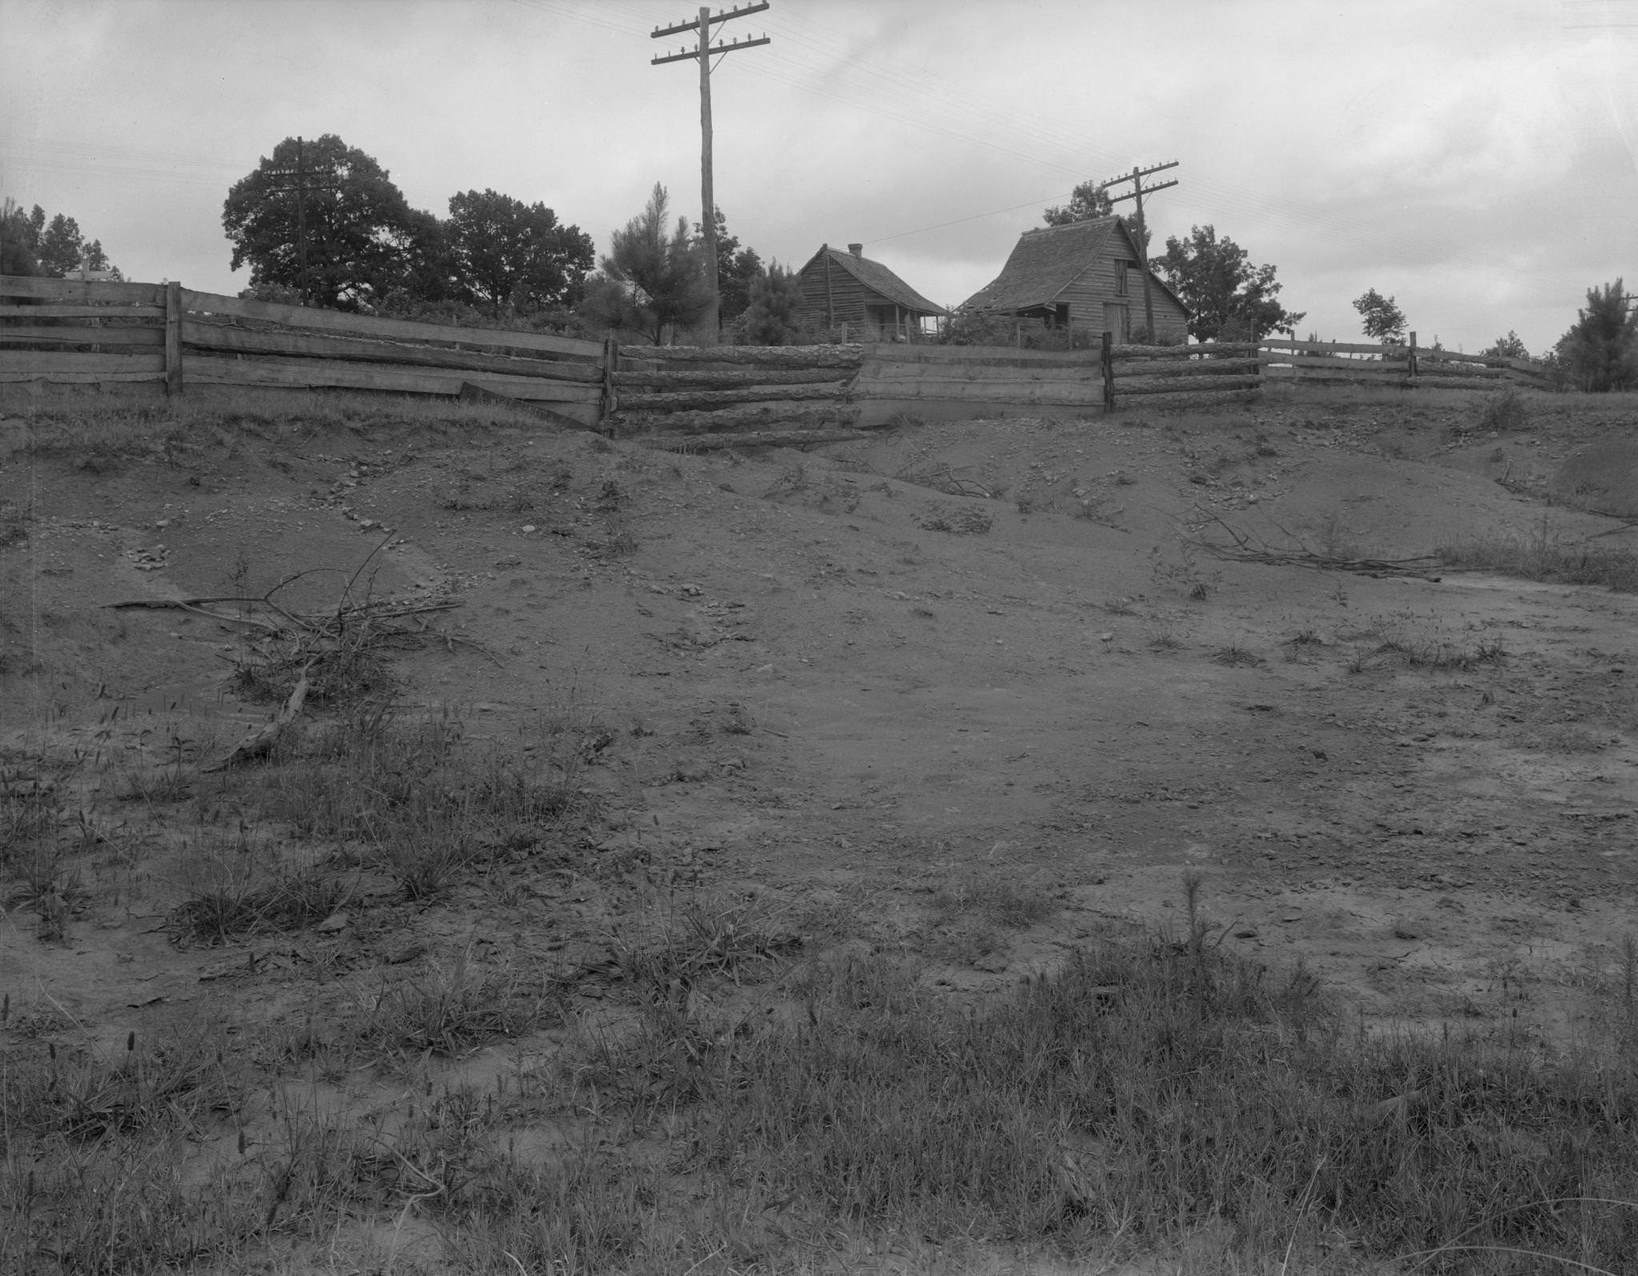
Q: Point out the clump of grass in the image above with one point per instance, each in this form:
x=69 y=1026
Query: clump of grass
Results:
x=448 y=1009
x=1235 y=655
x=1441 y=657
x=681 y=942
x=117 y=1206
x=1545 y=557
x=999 y=898
x=958 y=520
x=81 y=1095
x=239 y=905
x=30 y=813
x=406 y=796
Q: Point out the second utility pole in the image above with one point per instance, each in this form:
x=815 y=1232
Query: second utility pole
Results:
x=1137 y=192
x=708 y=201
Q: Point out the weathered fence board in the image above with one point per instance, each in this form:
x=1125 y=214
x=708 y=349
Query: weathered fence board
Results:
x=82 y=335
x=1195 y=385
x=203 y=335
x=81 y=290
x=983 y=356
x=751 y=356
x=45 y=311
x=340 y=374
x=78 y=365
x=723 y=379
x=369 y=326
x=702 y=398
x=1365 y=367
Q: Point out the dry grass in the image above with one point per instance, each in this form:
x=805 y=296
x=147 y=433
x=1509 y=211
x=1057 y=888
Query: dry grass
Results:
x=1548 y=557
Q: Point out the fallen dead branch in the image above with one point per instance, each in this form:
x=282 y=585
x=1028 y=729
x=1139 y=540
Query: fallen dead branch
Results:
x=338 y=654
x=263 y=742
x=1249 y=549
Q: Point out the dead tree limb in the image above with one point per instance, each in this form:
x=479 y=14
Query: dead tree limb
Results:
x=263 y=742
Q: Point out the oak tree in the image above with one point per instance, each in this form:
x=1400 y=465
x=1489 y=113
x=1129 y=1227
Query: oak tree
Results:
x=323 y=218
x=1228 y=296
x=511 y=254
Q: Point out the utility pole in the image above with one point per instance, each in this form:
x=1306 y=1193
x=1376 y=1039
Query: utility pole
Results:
x=708 y=201
x=299 y=185
x=1136 y=193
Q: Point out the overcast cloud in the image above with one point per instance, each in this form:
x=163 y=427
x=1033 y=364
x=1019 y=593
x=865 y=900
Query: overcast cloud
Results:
x=1478 y=159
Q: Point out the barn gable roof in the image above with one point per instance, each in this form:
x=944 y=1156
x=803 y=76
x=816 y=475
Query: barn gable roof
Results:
x=878 y=278
x=1049 y=259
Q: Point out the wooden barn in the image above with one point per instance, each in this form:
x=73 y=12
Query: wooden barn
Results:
x=1085 y=277
x=849 y=289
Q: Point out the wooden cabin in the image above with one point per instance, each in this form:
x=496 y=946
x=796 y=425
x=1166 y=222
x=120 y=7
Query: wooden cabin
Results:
x=847 y=289
x=1083 y=277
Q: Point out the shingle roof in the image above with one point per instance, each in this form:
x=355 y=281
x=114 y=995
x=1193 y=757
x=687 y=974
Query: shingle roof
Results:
x=879 y=279
x=1043 y=263
x=1047 y=260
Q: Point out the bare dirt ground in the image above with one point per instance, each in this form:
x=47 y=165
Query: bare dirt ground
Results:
x=866 y=683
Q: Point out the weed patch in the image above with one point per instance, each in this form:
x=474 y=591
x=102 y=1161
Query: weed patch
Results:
x=450 y=1008
x=1547 y=558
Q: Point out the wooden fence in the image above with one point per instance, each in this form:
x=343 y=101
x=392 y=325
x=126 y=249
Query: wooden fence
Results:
x=1238 y=370
x=87 y=331
x=63 y=330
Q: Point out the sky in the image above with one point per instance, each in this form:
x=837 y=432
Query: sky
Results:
x=1477 y=160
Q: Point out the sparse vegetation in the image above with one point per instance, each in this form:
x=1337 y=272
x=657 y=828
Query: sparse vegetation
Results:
x=440 y=983
x=1546 y=556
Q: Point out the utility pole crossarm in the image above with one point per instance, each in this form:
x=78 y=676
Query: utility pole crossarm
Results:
x=1143 y=172
x=1147 y=190
x=687 y=55
x=739 y=11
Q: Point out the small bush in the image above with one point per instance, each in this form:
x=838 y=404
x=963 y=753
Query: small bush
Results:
x=1504 y=412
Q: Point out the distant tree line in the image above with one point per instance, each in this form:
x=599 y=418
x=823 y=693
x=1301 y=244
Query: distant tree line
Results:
x=32 y=244
x=321 y=223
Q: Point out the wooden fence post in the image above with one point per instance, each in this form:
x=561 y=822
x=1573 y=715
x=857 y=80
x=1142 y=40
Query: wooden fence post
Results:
x=173 y=337
x=1107 y=360
x=610 y=401
x=1413 y=368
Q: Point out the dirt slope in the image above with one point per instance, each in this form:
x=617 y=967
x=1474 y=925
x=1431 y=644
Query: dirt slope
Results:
x=858 y=679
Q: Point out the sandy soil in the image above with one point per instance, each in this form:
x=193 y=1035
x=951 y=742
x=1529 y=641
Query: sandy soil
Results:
x=852 y=679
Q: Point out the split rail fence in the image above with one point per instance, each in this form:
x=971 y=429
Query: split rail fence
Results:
x=88 y=332
x=1241 y=369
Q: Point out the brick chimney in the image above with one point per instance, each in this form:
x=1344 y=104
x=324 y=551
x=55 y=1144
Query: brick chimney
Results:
x=856 y=249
